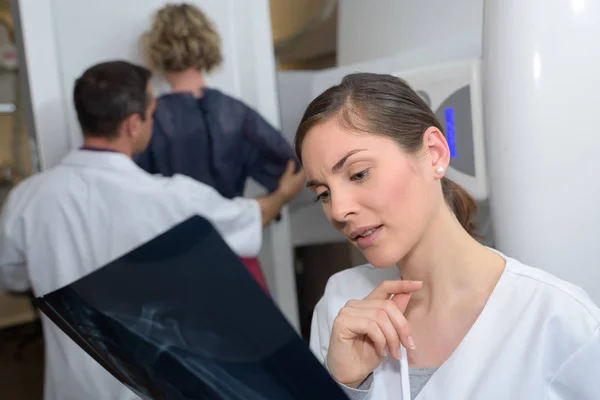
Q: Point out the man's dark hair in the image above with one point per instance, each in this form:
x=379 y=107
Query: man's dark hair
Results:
x=109 y=92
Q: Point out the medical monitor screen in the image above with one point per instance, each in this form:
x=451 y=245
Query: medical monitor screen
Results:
x=181 y=318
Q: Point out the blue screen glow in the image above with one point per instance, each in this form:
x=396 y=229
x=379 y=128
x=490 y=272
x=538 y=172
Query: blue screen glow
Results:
x=450 y=132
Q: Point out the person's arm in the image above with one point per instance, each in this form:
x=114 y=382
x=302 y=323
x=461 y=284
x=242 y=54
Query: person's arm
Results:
x=362 y=392
x=579 y=377
x=269 y=151
x=239 y=220
x=270 y=205
x=13 y=266
x=320 y=334
x=289 y=185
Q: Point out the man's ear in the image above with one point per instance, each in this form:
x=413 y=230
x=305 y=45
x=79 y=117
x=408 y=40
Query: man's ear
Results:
x=436 y=146
x=131 y=125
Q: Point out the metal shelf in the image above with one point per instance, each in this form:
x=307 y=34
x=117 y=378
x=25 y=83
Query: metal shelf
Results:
x=7 y=108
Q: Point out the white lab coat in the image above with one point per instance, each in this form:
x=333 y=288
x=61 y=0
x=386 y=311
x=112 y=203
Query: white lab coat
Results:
x=538 y=337
x=64 y=223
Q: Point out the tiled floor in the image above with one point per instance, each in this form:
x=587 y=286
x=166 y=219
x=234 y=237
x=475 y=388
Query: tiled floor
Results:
x=21 y=378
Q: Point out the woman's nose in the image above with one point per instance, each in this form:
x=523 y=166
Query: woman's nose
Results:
x=342 y=207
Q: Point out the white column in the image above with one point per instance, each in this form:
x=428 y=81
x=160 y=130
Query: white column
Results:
x=541 y=84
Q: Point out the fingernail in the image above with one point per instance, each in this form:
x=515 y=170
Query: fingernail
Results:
x=418 y=282
x=411 y=343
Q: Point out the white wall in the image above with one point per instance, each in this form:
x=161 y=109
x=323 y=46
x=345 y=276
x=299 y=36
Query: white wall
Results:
x=381 y=28
x=64 y=37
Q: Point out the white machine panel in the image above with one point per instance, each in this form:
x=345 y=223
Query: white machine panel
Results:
x=453 y=91
x=308 y=223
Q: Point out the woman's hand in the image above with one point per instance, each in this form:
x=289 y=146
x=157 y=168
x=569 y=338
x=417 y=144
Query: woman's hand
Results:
x=366 y=330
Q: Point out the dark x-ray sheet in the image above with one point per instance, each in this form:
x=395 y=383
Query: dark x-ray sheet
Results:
x=180 y=318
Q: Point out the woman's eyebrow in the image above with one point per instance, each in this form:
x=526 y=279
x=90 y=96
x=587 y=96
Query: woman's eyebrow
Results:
x=336 y=168
x=313 y=183
x=338 y=165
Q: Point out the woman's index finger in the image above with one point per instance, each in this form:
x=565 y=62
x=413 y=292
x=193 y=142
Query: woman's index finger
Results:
x=387 y=289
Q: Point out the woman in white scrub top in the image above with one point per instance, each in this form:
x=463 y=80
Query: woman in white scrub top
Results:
x=435 y=314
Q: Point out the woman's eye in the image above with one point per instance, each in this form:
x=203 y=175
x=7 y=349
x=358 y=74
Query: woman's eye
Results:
x=322 y=197
x=360 y=175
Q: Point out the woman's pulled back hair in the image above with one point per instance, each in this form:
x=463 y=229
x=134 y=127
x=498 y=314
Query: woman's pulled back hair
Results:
x=385 y=105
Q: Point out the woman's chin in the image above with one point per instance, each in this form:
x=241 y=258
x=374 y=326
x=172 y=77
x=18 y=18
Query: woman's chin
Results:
x=379 y=259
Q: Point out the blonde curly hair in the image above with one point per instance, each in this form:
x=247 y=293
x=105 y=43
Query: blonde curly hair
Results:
x=181 y=37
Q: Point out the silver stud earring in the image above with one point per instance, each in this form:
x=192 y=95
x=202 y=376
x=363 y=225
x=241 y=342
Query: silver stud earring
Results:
x=440 y=170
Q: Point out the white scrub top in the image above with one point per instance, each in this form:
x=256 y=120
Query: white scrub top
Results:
x=95 y=206
x=538 y=337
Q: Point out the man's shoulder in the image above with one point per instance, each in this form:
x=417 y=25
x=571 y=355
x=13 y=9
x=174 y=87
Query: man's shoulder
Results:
x=183 y=186
x=35 y=184
x=176 y=181
x=40 y=191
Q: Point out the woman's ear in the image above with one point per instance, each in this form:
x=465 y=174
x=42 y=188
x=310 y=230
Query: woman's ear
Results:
x=436 y=146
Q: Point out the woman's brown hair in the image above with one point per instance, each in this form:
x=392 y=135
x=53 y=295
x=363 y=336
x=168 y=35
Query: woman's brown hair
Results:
x=182 y=37
x=385 y=105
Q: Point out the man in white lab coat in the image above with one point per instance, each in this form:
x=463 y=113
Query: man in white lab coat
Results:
x=97 y=205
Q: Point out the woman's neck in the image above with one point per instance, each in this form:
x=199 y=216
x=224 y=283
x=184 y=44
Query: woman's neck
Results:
x=189 y=81
x=451 y=265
